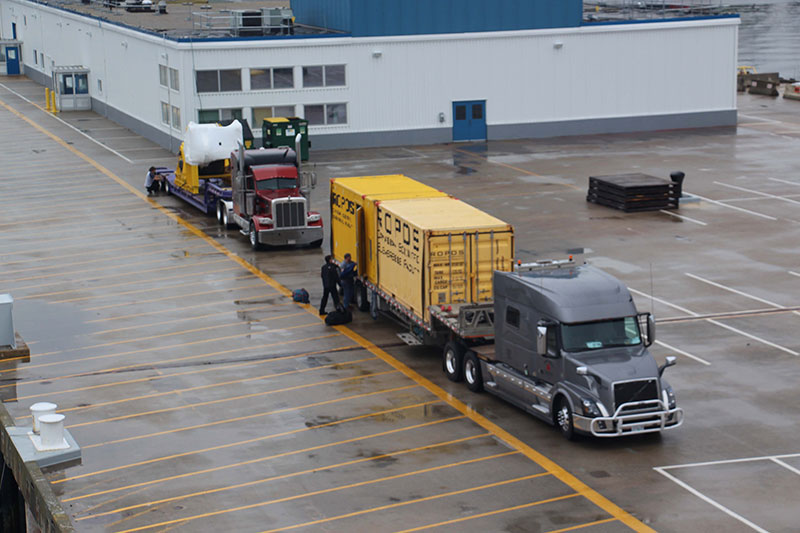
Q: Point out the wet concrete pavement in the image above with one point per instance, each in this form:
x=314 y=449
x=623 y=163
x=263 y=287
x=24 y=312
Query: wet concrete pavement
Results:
x=205 y=400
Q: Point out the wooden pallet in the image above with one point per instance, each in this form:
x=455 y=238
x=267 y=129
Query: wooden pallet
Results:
x=633 y=192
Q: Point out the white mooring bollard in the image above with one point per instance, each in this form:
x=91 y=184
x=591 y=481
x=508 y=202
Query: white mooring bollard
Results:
x=40 y=409
x=51 y=428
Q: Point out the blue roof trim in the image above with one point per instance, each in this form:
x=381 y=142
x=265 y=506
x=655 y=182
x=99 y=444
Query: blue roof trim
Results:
x=654 y=21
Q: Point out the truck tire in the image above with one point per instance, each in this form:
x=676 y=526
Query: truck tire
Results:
x=361 y=297
x=453 y=360
x=167 y=188
x=219 y=213
x=472 y=372
x=254 y=237
x=315 y=244
x=563 y=418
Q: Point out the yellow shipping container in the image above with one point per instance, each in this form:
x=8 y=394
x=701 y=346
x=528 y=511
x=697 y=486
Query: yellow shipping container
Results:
x=439 y=251
x=353 y=214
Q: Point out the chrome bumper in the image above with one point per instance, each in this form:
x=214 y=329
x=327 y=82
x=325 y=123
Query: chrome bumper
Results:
x=625 y=422
x=293 y=236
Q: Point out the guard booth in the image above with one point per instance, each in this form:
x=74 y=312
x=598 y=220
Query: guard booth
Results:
x=10 y=63
x=71 y=84
x=281 y=131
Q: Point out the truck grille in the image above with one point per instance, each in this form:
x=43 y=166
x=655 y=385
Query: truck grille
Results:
x=289 y=214
x=635 y=391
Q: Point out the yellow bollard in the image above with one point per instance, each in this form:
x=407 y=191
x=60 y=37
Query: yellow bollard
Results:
x=53 y=107
x=46 y=99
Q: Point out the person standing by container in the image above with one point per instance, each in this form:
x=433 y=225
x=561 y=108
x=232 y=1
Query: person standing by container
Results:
x=347 y=278
x=330 y=282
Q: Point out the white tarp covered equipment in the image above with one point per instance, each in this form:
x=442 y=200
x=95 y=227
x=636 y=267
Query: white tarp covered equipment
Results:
x=205 y=143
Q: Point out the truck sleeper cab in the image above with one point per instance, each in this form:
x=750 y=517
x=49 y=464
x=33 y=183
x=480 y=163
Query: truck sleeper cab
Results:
x=571 y=349
x=268 y=202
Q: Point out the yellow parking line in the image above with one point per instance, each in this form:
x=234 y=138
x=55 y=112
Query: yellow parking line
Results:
x=179 y=309
x=353 y=485
x=82 y=238
x=174 y=296
x=91 y=261
x=242 y=396
x=132 y=282
x=581 y=526
x=283 y=476
x=239 y=418
x=162 y=335
x=148 y=365
x=119 y=274
x=371 y=414
x=540 y=459
x=152 y=289
x=188 y=318
x=166 y=376
x=500 y=511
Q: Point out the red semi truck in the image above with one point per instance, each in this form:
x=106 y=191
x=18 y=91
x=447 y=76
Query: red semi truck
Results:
x=270 y=198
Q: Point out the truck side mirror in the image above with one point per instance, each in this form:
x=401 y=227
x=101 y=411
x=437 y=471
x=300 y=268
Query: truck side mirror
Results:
x=670 y=361
x=651 y=329
x=649 y=322
x=541 y=340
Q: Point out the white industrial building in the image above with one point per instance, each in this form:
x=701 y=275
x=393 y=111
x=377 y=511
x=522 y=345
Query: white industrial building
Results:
x=392 y=89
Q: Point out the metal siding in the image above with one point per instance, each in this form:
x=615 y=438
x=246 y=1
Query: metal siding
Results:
x=333 y=14
x=417 y=17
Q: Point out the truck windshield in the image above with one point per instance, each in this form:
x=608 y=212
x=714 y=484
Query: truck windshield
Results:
x=601 y=334
x=273 y=184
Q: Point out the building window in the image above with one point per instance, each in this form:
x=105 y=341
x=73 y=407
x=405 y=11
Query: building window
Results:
x=271 y=78
x=260 y=113
x=35 y=57
x=81 y=84
x=176 y=117
x=162 y=75
x=99 y=86
x=283 y=78
x=324 y=114
x=324 y=76
x=174 y=80
x=165 y=113
x=41 y=58
x=210 y=116
x=214 y=81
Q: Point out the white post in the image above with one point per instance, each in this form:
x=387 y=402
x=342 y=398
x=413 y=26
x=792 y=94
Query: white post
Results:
x=52 y=431
x=40 y=409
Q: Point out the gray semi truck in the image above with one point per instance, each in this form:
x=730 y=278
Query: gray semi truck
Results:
x=569 y=347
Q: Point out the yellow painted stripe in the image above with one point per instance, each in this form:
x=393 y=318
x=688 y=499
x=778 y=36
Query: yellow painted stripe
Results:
x=351 y=486
x=168 y=376
x=195 y=405
x=279 y=456
x=581 y=526
x=371 y=414
x=239 y=419
x=540 y=459
x=151 y=365
x=492 y=513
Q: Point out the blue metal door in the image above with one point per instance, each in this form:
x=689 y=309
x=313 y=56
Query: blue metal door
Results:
x=469 y=120
x=12 y=60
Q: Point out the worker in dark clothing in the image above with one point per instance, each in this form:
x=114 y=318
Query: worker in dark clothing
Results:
x=330 y=282
x=152 y=181
x=347 y=279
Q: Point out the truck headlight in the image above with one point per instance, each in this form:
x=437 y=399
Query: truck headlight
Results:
x=265 y=221
x=314 y=218
x=589 y=407
x=669 y=397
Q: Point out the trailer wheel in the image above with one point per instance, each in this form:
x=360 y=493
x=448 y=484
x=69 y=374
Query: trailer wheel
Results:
x=563 y=419
x=361 y=297
x=472 y=372
x=254 y=237
x=167 y=188
x=219 y=214
x=225 y=222
x=452 y=360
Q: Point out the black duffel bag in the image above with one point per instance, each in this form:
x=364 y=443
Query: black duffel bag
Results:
x=338 y=317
